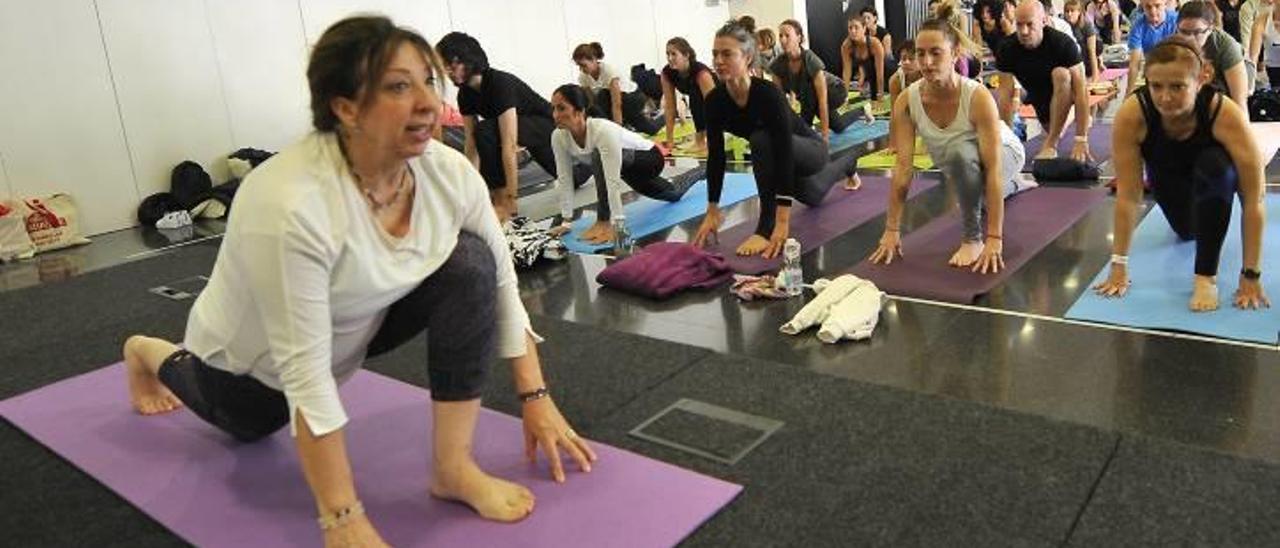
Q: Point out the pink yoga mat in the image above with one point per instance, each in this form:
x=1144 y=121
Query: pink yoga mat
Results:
x=839 y=212
x=1032 y=219
x=212 y=491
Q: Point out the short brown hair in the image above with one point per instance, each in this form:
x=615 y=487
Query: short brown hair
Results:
x=592 y=51
x=349 y=55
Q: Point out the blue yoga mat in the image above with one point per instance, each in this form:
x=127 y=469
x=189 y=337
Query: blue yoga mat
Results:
x=858 y=133
x=646 y=216
x=1161 y=267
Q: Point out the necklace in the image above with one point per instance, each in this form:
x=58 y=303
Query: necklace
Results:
x=374 y=204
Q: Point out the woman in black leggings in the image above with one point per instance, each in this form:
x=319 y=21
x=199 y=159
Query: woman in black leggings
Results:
x=787 y=156
x=1178 y=126
x=800 y=72
x=685 y=74
x=615 y=95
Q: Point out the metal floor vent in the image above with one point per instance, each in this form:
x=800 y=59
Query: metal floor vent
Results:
x=707 y=430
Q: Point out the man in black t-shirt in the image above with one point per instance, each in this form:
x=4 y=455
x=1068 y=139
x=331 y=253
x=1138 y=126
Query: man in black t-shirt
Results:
x=500 y=113
x=1048 y=65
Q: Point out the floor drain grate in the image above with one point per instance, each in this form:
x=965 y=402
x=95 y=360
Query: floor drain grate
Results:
x=183 y=289
x=707 y=430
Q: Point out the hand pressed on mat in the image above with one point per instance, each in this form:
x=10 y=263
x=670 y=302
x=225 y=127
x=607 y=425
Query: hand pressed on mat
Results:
x=544 y=426
x=710 y=226
x=1249 y=295
x=890 y=245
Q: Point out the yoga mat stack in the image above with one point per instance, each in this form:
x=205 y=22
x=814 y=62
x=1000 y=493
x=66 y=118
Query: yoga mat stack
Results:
x=213 y=491
x=1161 y=269
x=841 y=211
x=646 y=216
x=1032 y=219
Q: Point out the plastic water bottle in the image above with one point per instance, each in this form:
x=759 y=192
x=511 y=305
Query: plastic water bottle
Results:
x=623 y=245
x=793 y=276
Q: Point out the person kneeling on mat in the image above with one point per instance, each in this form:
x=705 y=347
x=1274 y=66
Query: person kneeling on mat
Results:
x=787 y=156
x=979 y=156
x=802 y=74
x=1199 y=152
x=616 y=155
x=615 y=95
x=344 y=246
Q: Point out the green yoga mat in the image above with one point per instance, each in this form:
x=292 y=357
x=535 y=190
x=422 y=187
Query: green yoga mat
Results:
x=885 y=159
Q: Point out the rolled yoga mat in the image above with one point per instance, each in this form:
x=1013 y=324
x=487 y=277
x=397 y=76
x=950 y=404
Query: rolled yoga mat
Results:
x=857 y=134
x=1032 y=219
x=841 y=211
x=646 y=216
x=1099 y=144
x=213 y=491
x=1161 y=269
x=885 y=159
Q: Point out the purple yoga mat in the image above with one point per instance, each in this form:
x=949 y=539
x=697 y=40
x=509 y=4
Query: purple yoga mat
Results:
x=212 y=491
x=1032 y=219
x=839 y=212
x=1099 y=144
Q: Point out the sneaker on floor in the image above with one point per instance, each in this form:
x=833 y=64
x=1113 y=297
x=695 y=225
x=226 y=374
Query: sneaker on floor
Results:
x=174 y=219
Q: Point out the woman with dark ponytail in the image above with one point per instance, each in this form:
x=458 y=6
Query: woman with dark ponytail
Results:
x=616 y=155
x=614 y=94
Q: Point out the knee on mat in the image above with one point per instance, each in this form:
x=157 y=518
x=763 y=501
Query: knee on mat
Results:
x=962 y=159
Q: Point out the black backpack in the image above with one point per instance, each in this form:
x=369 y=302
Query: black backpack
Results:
x=190 y=184
x=1264 y=106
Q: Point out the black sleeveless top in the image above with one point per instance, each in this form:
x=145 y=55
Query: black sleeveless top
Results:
x=1166 y=157
x=1230 y=17
x=687 y=83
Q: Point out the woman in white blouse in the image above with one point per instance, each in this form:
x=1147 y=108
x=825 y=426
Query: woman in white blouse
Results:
x=343 y=246
x=617 y=156
x=614 y=94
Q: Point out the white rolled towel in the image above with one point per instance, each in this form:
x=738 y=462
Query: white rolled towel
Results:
x=855 y=316
x=814 y=313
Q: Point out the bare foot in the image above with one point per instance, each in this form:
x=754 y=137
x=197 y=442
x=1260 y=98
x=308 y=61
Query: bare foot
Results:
x=853 y=182
x=494 y=499
x=1047 y=154
x=148 y=395
x=966 y=254
x=754 y=245
x=1204 y=294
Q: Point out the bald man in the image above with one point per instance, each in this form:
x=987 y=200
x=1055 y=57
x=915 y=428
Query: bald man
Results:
x=1156 y=22
x=1048 y=65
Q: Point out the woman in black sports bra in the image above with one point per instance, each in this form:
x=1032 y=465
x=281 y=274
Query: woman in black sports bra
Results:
x=1199 y=152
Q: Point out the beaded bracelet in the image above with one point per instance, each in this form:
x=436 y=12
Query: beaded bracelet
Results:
x=1120 y=259
x=538 y=394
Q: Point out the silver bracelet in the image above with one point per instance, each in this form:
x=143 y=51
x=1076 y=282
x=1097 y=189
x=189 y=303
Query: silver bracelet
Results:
x=1120 y=259
x=341 y=517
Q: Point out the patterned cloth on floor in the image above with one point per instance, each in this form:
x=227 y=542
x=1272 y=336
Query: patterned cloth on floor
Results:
x=531 y=241
x=750 y=288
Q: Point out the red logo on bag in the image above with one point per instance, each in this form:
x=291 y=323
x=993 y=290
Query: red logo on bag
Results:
x=41 y=217
x=5 y=210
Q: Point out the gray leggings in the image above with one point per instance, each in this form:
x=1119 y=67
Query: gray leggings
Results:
x=456 y=305
x=963 y=172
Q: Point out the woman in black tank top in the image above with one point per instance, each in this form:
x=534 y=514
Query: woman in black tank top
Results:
x=686 y=75
x=1199 y=152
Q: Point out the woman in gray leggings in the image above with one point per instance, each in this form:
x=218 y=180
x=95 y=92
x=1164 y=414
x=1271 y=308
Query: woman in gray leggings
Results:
x=980 y=157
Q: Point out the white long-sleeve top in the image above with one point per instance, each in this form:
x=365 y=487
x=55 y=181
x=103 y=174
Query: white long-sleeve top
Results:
x=306 y=273
x=610 y=140
x=605 y=79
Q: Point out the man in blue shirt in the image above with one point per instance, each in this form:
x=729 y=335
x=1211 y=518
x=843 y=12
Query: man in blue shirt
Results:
x=1154 y=24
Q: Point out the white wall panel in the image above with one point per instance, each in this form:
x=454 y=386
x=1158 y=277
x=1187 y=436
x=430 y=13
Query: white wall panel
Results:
x=4 y=180
x=525 y=38
x=623 y=27
x=262 y=60
x=429 y=17
x=768 y=13
x=60 y=129
x=691 y=19
x=166 y=79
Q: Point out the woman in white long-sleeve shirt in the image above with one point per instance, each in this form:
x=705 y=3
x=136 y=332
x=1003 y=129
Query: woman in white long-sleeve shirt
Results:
x=345 y=245
x=617 y=156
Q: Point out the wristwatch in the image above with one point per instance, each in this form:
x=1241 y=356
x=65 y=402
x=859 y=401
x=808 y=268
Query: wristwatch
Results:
x=1250 y=274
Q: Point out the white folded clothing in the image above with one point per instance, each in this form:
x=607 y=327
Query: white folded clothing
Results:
x=855 y=316
x=814 y=313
